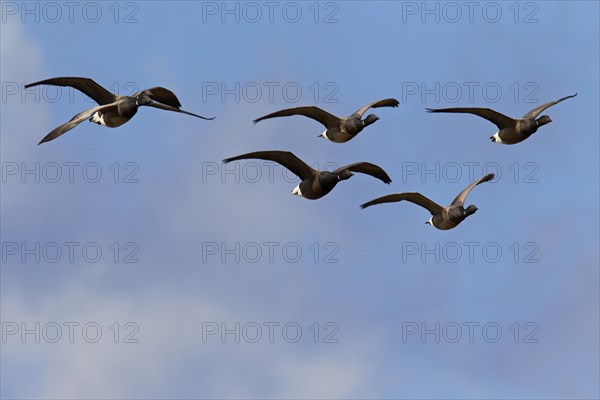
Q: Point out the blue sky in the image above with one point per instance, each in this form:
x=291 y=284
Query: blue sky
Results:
x=218 y=246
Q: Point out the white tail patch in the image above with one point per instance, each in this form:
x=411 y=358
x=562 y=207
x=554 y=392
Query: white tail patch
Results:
x=98 y=119
x=497 y=139
x=430 y=222
x=324 y=135
x=297 y=191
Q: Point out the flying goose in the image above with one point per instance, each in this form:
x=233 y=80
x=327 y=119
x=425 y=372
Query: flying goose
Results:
x=339 y=130
x=112 y=111
x=315 y=184
x=443 y=218
x=511 y=130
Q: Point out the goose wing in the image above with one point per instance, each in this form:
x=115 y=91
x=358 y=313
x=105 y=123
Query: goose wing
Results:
x=538 y=110
x=285 y=158
x=367 y=168
x=320 y=115
x=500 y=120
x=413 y=197
x=85 y=85
x=76 y=120
x=376 y=104
x=161 y=95
x=167 y=107
x=460 y=199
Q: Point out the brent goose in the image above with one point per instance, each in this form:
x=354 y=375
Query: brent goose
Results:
x=315 y=184
x=112 y=110
x=339 y=130
x=511 y=130
x=443 y=218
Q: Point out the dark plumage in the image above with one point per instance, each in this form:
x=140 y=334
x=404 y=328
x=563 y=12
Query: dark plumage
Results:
x=315 y=184
x=443 y=218
x=339 y=130
x=511 y=130
x=112 y=111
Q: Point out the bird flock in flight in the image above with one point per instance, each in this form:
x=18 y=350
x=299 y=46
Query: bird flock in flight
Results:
x=113 y=111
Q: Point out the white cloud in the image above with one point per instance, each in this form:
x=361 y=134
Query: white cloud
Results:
x=170 y=347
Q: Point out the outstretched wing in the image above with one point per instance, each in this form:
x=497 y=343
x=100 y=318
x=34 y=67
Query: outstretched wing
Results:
x=460 y=199
x=76 y=120
x=85 y=85
x=175 y=109
x=537 y=111
x=376 y=104
x=413 y=197
x=500 y=120
x=327 y=119
x=161 y=95
x=285 y=158
x=367 y=168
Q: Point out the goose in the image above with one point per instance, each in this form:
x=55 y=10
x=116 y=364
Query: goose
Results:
x=442 y=218
x=511 y=131
x=339 y=129
x=315 y=184
x=112 y=111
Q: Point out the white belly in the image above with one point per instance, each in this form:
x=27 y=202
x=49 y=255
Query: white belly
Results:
x=98 y=118
x=108 y=119
x=497 y=139
x=324 y=135
x=297 y=191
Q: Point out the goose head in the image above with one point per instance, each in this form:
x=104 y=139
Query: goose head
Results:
x=371 y=118
x=143 y=99
x=543 y=120
x=470 y=210
x=345 y=174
